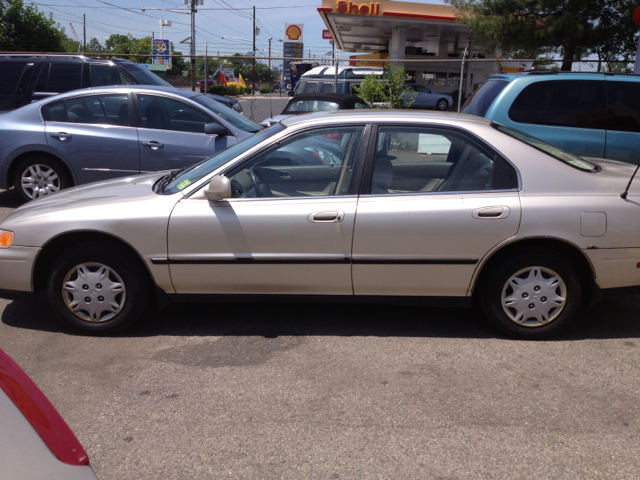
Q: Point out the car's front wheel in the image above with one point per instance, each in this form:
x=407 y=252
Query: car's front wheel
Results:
x=98 y=288
x=38 y=176
x=532 y=295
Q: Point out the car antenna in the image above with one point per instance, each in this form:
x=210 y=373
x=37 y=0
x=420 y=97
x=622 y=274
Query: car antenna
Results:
x=623 y=195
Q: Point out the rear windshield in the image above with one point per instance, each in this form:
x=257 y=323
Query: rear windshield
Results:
x=312 y=106
x=555 y=152
x=10 y=77
x=144 y=76
x=481 y=100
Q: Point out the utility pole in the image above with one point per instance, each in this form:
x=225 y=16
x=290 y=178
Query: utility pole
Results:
x=270 y=38
x=253 y=79
x=206 y=67
x=84 y=27
x=193 y=45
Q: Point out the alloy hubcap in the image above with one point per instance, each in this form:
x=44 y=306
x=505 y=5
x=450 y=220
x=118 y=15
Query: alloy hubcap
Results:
x=39 y=180
x=534 y=296
x=93 y=292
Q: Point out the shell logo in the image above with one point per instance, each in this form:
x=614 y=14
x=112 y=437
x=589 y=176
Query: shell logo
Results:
x=293 y=32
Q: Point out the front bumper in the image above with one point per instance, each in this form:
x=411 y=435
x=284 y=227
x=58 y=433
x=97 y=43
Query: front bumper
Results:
x=16 y=271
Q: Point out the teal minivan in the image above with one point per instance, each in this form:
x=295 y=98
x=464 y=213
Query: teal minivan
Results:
x=589 y=114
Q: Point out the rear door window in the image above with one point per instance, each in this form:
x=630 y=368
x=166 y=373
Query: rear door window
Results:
x=10 y=78
x=91 y=109
x=562 y=103
x=481 y=100
x=64 y=77
x=624 y=106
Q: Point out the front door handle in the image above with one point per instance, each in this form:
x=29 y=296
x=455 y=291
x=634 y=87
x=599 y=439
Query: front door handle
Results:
x=153 y=145
x=492 y=212
x=61 y=135
x=326 y=217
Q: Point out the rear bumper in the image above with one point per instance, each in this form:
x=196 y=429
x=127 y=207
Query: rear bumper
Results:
x=615 y=267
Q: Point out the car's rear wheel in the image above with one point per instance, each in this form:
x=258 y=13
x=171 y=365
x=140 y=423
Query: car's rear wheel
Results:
x=442 y=104
x=98 y=288
x=532 y=295
x=38 y=176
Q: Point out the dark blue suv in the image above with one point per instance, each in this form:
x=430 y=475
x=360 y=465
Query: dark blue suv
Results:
x=589 y=114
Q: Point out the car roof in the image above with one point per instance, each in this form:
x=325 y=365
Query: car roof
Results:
x=344 y=100
x=33 y=57
x=374 y=116
x=510 y=77
x=130 y=88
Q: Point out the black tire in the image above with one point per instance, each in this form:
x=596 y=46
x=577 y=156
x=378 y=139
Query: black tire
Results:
x=442 y=105
x=555 y=317
x=123 y=268
x=47 y=164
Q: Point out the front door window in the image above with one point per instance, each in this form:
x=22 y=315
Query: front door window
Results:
x=316 y=163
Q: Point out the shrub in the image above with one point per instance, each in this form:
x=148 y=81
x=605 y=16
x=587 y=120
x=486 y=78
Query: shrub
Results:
x=248 y=91
x=235 y=88
x=265 y=88
x=218 y=89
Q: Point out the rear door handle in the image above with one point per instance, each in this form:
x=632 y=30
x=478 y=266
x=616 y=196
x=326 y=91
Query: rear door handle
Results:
x=153 y=145
x=326 y=217
x=61 y=135
x=492 y=212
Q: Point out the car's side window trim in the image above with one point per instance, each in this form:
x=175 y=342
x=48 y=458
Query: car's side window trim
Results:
x=365 y=185
x=353 y=185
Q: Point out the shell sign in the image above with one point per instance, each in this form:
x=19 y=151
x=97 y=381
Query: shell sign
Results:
x=293 y=32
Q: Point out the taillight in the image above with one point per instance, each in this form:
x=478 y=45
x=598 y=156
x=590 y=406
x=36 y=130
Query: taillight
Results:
x=41 y=414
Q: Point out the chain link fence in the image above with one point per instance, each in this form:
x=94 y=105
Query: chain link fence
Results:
x=442 y=77
x=267 y=80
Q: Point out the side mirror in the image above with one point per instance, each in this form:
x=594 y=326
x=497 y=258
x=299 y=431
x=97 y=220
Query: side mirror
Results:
x=219 y=188
x=216 y=129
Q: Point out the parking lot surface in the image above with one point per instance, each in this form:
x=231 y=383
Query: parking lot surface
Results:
x=294 y=390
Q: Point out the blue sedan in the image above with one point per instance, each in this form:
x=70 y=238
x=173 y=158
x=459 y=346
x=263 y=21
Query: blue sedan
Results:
x=101 y=133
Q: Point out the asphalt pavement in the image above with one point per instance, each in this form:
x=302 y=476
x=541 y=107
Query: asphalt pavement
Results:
x=329 y=391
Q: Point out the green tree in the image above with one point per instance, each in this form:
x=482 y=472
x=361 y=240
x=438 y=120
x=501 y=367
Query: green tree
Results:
x=572 y=28
x=94 y=46
x=389 y=90
x=24 y=28
x=118 y=44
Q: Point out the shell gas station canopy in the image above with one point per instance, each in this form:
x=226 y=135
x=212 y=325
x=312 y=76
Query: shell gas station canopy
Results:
x=398 y=30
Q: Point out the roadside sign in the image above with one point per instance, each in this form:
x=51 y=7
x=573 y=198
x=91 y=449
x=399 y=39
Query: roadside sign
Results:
x=636 y=15
x=161 y=52
x=326 y=35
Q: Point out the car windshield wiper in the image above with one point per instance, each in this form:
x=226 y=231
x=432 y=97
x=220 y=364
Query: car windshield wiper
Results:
x=169 y=177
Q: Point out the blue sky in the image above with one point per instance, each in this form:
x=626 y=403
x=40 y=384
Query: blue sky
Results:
x=213 y=20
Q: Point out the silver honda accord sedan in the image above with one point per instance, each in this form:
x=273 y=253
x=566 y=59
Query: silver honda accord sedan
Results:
x=368 y=206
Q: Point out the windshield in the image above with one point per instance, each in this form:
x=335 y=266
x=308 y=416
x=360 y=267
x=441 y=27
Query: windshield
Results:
x=483 y=97
x=549 y=149
x=144 y=76
x=231 y=116
x=204 y=168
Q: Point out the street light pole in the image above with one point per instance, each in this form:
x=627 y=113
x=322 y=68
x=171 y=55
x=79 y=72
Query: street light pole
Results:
x=253 y=79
